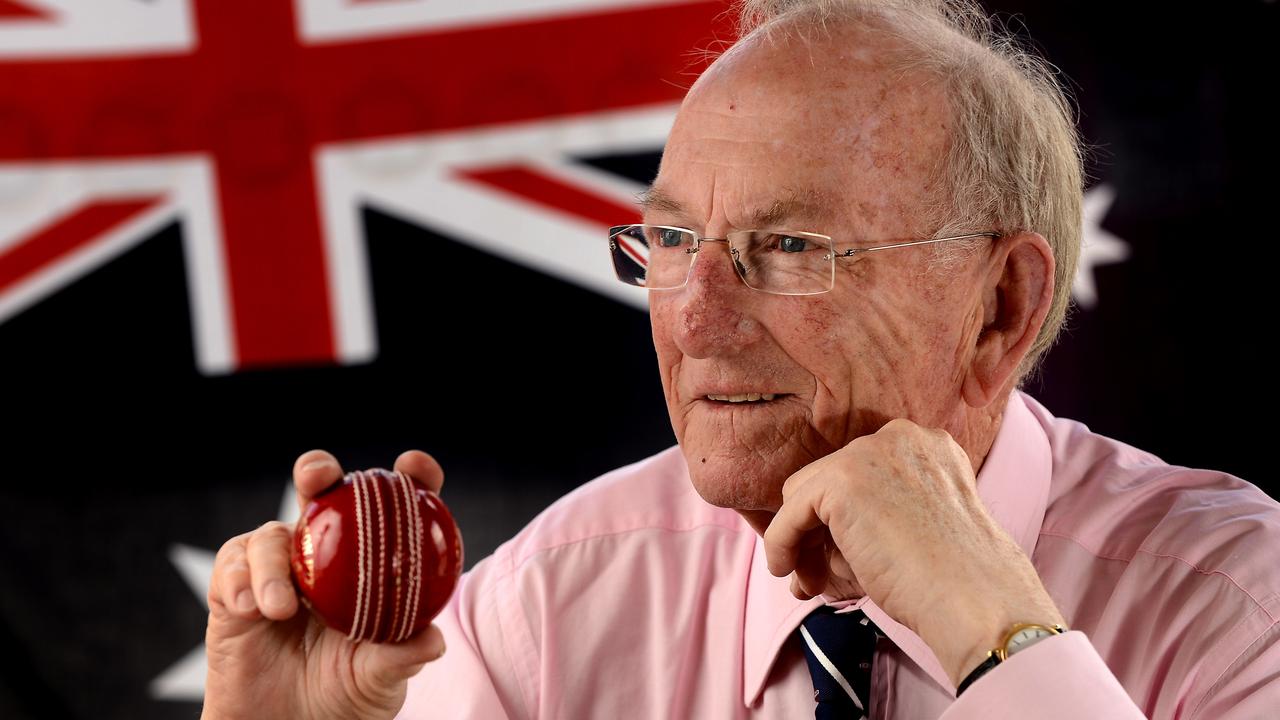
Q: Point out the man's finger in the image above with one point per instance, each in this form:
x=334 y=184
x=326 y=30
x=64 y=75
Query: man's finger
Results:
x=268 y=556
x=842 y=582
x=422 y=468
x=800 y=477
x=230 y=591
x=786 y=533
x=797 y=591
x=387 y=665
x=811 y=571
x=313 y=473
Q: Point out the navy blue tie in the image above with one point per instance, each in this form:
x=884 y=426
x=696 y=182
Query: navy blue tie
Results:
x=839 y=650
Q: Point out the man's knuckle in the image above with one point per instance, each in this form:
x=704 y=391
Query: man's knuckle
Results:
x=237 y=573
x=232 y=547
x=270 y=531
x=231 y=577
x=897 y=425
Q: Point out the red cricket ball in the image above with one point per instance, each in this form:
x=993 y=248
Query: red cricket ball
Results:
x=376 y=556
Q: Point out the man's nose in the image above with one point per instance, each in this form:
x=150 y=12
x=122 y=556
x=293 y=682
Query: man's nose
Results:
x=714 y=306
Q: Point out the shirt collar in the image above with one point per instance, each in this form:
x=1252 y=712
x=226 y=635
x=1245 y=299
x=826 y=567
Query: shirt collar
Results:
x=1013 y=483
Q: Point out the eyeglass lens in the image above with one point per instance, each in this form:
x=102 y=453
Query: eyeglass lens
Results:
x=787 y=263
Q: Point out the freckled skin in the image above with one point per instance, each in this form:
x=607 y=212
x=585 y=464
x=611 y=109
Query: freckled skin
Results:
x=891 y=340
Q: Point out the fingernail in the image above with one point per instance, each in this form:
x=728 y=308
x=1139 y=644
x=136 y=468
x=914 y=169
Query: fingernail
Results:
x=276 y=595
x=317 y=464
x=244 y=601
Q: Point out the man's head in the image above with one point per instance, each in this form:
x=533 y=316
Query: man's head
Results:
x=870 y=123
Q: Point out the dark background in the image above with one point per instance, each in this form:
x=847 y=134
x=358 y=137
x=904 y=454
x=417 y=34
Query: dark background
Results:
x=114 y=447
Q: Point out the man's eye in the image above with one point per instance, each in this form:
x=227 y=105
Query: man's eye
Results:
x=670 y=238
x=792 y=244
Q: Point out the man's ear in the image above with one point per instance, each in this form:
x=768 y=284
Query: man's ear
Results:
x=1017 y=294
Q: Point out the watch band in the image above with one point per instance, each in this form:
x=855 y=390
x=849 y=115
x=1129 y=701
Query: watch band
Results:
x=991 y=661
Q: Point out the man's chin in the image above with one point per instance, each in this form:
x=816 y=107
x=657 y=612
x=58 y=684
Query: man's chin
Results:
x=737 y=486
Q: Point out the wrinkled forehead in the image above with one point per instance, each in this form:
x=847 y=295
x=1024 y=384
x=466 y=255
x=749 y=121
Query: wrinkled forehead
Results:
x=824 y=124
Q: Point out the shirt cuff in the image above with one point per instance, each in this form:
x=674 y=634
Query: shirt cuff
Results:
x=1057 y=678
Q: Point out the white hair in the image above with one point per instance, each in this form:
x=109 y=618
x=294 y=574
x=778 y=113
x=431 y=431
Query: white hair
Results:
x=1013 y=159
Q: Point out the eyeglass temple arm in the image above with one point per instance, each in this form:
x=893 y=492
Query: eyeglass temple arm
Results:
x=854 y=251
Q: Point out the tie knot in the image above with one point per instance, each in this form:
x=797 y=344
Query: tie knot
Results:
x=839 y=648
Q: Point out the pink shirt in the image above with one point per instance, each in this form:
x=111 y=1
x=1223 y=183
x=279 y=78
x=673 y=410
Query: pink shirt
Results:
x=633 y=598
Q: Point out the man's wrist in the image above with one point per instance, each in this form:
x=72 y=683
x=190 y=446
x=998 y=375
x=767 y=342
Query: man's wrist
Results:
x=984 y=630
x=974 y=644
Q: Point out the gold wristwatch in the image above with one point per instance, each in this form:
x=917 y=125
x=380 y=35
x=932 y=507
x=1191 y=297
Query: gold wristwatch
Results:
x=1020 y=637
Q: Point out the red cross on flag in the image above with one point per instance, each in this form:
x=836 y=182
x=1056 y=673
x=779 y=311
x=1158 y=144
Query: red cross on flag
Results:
x=263 y=126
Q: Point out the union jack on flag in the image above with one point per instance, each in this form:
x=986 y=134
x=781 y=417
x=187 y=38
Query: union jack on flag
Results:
x=264 y=126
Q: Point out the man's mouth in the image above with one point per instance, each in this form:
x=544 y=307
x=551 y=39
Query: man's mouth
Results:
x=745 y=397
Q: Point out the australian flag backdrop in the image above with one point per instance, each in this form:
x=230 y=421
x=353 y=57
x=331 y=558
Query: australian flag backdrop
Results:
x=235 y=230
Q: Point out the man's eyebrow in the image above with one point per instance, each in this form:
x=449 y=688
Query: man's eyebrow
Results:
x=654 y=199
x=804 y=204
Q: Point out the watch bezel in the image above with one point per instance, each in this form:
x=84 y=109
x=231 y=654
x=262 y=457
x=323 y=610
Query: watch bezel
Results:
x=1007 y=647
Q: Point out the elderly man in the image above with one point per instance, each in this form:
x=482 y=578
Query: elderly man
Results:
x=860 y=241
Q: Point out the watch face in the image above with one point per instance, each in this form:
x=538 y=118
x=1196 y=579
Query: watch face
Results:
x=1025 y=638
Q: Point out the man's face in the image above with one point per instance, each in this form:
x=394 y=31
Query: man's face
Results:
x=828 y=141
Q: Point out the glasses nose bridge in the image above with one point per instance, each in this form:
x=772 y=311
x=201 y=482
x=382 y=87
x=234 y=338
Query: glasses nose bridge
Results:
x=733 y=255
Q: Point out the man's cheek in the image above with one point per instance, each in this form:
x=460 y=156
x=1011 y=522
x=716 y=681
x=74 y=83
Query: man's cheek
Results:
x=660 y=317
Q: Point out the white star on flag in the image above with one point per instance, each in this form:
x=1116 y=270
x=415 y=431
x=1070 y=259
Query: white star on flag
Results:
x=184 y=680
x=1097 y=247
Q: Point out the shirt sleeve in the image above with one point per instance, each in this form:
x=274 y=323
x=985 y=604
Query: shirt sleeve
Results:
x=1059 y=678
x=1064 y=677
x=1250 y=686
x=476 y=677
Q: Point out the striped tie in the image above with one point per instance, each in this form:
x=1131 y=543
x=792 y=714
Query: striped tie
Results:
x=839 y=649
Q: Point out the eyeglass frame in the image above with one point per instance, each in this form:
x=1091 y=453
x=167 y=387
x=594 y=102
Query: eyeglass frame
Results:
x=850 y=252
